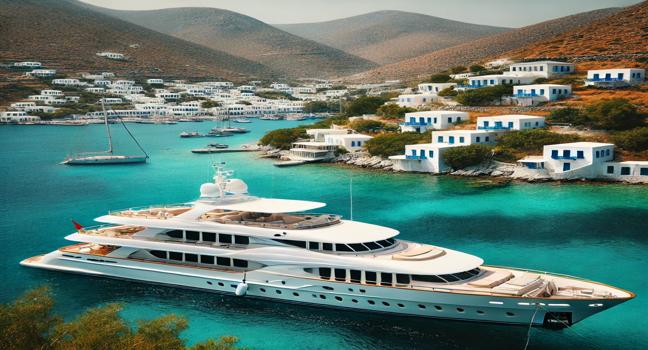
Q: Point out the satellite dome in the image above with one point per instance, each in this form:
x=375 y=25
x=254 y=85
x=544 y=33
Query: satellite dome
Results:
x=236 y=186
x=209 y=190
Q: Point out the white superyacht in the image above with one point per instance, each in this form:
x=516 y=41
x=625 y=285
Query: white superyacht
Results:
x=230 y=242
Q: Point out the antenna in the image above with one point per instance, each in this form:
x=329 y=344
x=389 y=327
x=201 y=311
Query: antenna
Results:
x=351 y=197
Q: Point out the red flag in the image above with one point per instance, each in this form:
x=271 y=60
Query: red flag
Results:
x=77 y=225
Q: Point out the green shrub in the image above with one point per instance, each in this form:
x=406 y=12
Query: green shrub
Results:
x=484 y=96
x=465 y=156
x=392 y=110
x=390 y=144
x=275 y=95
x=615 y=114
x=475 y=68
x=321 y=107
x=366 y=125
x=458 y=69
x=532 y=140
x=568 y=115
x=439 y=78
x=210 y=104
x=635 y=140
x=283 y=138
x=449 y=91
x=364 y=105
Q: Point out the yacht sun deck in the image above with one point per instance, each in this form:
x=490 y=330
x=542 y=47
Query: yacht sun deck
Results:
x=278 y=221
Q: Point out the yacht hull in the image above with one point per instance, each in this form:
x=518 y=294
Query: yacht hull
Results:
x=106 y=160
x=551 y=313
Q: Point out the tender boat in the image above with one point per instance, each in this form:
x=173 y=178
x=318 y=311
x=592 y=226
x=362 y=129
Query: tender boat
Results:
x=185 y=134
x=107 y=157
x=228 y=241
x=217 y=145
x=242 y=120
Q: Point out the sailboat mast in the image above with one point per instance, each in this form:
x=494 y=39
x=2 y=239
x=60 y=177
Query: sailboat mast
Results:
x=110 y=144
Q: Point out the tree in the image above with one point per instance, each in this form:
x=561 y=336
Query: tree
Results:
x=364 y=105
x=465 y=156
x=28 y=323
x=366 y=125
x=392 y=110
x=484 y=96
x=283 y=138
x=439 y=78
x=390 y=144
x=321 y=107
x=532 y=140
x=210 y=104
x=635 y=140
x=615 y=114
x=449 y=91
x=458 y=69
x=475 y=68
x=569 y=115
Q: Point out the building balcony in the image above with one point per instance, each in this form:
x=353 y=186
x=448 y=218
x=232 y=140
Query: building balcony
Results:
x=564 y=157
x=411 y=157
x=525 y=95
x=494 y=127
x=414 y=124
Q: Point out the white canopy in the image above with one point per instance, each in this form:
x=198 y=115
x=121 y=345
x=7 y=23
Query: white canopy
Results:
x=271 y=205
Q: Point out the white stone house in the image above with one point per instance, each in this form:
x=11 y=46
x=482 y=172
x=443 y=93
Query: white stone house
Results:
x=55 y=93
x=416 y=100
x=112 y=55
x=350 y=142
x=318 y=135
x=510 y=122
x=572 y=160
x=17 y=117
x=27 y=65
x=110 y=100
x=422 y=121
x=529 y=95
x=434 y=88
x=155 y=81
x=42 y=73
x=496 y=79
x=541 y=69
x=68 y=82
x=615 y=77
x=20 y=106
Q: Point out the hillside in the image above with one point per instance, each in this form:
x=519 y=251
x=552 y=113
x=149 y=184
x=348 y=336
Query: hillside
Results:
x=621 y=34
x=66 y=36
x=390 y=36
x=247 y=37
x=477 y=50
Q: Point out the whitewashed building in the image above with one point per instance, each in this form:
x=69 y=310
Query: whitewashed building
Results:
x=11 y=117
x=112 y=55
x=416 y=100
x=27 y=65
x=529 y=95
x=616 y=77
x=496 y=79
x=422 y=121
x=20 y=106
x=350 y=142
x=68 y=82
x=111 y=100
x=434 y=88
x=318 y=135
x=56 y=93
x=541 y=69
x=155 y=81
x=510 y=122
x=42 y=73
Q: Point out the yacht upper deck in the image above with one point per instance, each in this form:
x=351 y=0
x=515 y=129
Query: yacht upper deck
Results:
x=277 y=221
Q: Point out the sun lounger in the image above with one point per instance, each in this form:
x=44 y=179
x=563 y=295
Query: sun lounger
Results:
x=492 y=279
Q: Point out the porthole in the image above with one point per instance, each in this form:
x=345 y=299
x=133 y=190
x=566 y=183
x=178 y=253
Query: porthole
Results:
x=209 y=283
x=371 y=302
x=314 y=295
x=438 y=307
x=362 y=291
x=296 y=294
x=338 y=298
x=283 y=282
x=350 y=289
x=322 y=296
x=421 y=306
x=327 y=287
x=354 y=301
x=262 y=289
x=480 y=312
x=385 y=303
x=460 y=309
x=510 y=314
x=400 y=305
x=221 y=284
x=278 y=291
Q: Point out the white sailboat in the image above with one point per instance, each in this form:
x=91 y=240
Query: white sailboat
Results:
x=107 y=157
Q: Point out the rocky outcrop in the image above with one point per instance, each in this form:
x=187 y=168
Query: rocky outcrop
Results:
x=491 y=168
x=364 y=160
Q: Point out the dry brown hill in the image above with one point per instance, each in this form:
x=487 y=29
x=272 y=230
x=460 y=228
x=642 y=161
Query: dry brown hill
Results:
x=624 y=33
x=247 y=37
x=67 y=36
x=477 y=50
x=390 y=36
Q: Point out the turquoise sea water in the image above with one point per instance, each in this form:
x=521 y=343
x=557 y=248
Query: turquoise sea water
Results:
x=598 y=232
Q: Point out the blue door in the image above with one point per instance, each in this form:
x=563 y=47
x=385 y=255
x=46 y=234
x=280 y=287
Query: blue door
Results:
x=566 y=166
x=412 y=120
x=554 y=154
x=422 y=120
x=566 y=153
x=485 y=123
x=422 y=154
x=510 y=125
x=620 y=76
x=608 y=76
x=451 y=139
x=498 y=125
x=596 y=76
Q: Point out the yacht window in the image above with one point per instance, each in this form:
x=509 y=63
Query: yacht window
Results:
x=340 y=275
x=175 y=234
x=175 y=256
x=159 y=254
x=372 y=245
x=223 y=261
x=327 y=246
x=391 y=241
x=428 y=278
x=358 y=247
x=463 y=275
x=313 y=245
x=342 y=248
x=385 y=243
x=241 y=239
x=191 y=257
x=474 y=271
x=192 y=235
x=356 y=276
x=370 y=277
x=207 y=259
x=449 y=278
x=224 y=238
x=240 y=263
x=300 y=244
x=385 y=279
x=325 y=273
x=209 y=236
x=402 y=278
